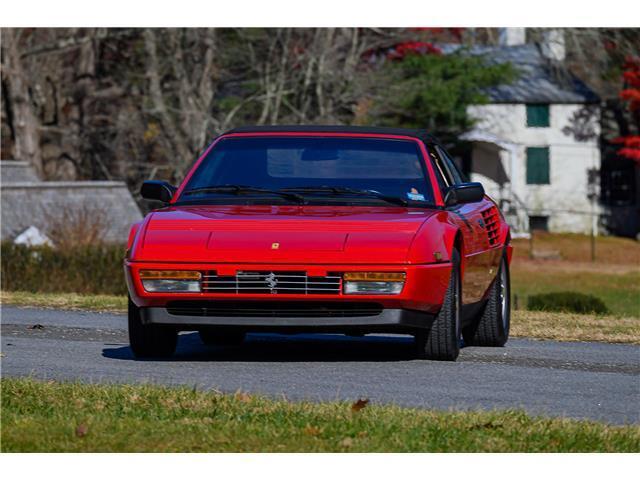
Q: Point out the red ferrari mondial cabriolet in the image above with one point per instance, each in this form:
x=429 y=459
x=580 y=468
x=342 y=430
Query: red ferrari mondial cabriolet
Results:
x=347 y=230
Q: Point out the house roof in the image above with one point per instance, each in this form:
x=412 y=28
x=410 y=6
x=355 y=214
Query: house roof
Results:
x=539 y=81
x=409 y=132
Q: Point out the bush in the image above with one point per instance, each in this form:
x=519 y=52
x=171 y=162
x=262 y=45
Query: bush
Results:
x=567 y=302
x=95 y=269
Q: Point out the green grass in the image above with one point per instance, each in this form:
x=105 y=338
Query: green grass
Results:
x=620 y=292
x=614 y=276
x=66 y=417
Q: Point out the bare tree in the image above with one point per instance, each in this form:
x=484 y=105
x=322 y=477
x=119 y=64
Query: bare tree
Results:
x=308 y=75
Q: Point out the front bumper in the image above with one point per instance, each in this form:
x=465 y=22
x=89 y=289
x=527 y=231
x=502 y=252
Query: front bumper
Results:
x=388 y=320
x=423 y=291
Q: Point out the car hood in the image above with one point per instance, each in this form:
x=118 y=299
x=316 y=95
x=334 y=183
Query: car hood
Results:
x=279 y=234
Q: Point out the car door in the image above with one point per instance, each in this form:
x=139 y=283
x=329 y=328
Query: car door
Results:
x=479 y=262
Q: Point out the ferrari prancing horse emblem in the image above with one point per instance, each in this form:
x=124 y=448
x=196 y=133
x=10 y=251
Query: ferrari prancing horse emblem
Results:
x=272 y=281
x=275 y=246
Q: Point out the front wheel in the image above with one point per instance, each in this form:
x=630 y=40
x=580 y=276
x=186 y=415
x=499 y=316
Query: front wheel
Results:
x=149 y=340
x=491 y=329
x=442 y=341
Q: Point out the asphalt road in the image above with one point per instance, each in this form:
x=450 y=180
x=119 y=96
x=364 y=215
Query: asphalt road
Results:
x=580 y=380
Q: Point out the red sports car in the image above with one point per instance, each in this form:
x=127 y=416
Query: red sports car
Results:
x=350 y=230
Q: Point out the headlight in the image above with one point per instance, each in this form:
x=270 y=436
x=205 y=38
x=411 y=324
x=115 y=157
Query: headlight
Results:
x=373 y=283
x=170 y=280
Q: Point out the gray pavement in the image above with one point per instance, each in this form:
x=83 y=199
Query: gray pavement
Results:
x=580 y=380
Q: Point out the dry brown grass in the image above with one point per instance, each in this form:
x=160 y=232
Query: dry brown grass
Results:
x=66 y=301
x=81 y=225
x=571 y=327
x=554 y=266
x=574 y=248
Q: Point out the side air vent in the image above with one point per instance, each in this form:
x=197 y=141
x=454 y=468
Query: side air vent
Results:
x=491 y=223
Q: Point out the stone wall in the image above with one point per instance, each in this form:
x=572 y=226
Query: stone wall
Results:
x=42 y=204
x=12 y=172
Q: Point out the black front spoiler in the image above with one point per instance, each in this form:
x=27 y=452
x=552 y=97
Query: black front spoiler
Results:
x=389 y=320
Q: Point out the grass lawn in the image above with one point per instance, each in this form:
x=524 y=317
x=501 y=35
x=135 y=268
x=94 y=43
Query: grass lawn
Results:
x=573 y=327
x=575 y=248
x=614 y=277
x=66 y=301
x=620 y=291
x=66 y=417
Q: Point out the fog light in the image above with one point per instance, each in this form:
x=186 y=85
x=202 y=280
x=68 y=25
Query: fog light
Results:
x=373 y=283
x=170 y=280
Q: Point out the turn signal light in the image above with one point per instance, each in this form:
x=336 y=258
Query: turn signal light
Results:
x=169 y=275
x=184 y=281
x=373 y=283
x=375 y=276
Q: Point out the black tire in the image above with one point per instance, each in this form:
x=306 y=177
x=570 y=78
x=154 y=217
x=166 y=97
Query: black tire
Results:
x=150 y=340
x=215 y=336
x=491 y=329
x=442 y=341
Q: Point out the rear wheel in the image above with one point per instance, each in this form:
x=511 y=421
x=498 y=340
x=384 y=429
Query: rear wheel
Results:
x=215 y=336
x=442 y=341
x=150 y=340
x=492 y=327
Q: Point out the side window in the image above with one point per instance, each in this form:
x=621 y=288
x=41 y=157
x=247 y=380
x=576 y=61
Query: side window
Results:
x=442 y=174
x=451 y=166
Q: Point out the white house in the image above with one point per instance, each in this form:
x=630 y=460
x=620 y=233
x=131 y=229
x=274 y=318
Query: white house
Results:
x=535 y=145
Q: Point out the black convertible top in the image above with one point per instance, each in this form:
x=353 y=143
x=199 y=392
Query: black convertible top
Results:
x=420 y=134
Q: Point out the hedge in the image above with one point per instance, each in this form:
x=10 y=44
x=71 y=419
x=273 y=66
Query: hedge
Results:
x=82 y=269
x=567 y=302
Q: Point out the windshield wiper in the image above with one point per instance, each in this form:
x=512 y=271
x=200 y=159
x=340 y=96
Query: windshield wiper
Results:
x=242 y=189
x=348 y=191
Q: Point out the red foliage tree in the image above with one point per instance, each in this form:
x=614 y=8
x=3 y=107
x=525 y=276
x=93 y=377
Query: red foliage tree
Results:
x=422 y=41
x=631 y=94
x=401 y=50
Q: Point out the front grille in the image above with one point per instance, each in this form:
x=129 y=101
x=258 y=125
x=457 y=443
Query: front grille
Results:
x=271 y=282
x=273 y=309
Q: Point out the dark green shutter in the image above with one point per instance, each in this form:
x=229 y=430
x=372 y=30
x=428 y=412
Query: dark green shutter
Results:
x=537 y=165
x=537 y=115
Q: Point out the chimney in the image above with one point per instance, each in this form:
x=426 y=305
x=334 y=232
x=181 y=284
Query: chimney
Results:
x=512 y=36
x=553 y=46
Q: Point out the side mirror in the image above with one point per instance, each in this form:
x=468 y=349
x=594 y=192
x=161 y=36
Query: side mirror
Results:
x=157 y=190
x=464 y=193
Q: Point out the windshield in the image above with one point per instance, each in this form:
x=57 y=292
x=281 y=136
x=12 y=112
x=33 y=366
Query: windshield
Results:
x=319 y=170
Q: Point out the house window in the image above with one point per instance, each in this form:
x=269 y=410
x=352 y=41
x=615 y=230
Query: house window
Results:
x=538 y=165
x=538 y=222
x=537 y=115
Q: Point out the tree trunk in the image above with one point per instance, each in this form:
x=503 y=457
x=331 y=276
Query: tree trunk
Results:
x=25 y=122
